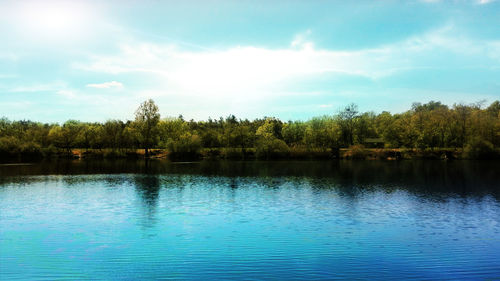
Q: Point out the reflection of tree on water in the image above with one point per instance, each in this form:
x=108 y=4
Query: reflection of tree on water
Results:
x=233 y=183
x=148 y=189
x=464 y=178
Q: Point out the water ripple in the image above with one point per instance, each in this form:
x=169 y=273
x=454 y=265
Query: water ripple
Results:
x=192 y=227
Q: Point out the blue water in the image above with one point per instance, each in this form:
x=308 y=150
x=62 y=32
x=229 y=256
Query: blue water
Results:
x=284 y=221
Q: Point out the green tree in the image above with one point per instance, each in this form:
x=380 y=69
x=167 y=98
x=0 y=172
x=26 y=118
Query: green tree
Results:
x=462 y=114
x=364 y=127
x=65 y=136
x=293 y=133
x=187 y=145
x=268 y=145
x=171 y=129
x=113 y=134
x=147 y=117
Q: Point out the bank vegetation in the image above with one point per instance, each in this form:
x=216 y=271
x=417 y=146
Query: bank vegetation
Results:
x=430 y=130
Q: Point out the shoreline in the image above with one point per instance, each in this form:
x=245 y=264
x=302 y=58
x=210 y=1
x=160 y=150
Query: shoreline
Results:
x=248 y=154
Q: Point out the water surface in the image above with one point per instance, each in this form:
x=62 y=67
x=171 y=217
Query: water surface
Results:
x=250 y=220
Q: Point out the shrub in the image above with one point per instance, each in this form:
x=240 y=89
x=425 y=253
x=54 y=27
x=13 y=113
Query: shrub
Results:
x=49 y=151
x=187 y=146
x=303 y=152
x=232 y=153
x=113 y=154
x=30 y=150
x=9 y=146
x=480 y=149
x=356 y=152
x=271 y=148
x=211 y=152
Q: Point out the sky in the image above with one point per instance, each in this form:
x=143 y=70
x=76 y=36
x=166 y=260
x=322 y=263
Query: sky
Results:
x=98 y=60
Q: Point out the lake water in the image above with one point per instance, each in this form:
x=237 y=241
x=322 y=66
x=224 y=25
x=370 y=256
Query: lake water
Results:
x=132 y=220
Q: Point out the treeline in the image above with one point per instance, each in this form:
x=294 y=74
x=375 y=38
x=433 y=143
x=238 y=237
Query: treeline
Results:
x=470 y=130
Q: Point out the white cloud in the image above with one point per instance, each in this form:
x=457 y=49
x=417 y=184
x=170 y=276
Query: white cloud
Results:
x=67 y=94
x=106 y=85
x=248 y=66
x=236 y=78
x=300 y=41
x=242 y=67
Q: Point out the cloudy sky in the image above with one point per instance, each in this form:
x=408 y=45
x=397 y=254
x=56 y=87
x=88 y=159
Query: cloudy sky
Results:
x=97 y=60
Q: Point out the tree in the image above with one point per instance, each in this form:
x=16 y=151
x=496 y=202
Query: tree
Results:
x=494 y=108
x=187 y=145
x=268 y=145
x=364 y=127
x=171 y=129
x=113 y=134
x=65 y=136
x=474 y=128
x=347 y=117
x=462 y=113
x=293 y=133
x=85 y=136
x=147 y=117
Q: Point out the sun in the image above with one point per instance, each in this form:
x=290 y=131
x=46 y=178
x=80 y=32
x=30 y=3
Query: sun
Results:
x=52 y=19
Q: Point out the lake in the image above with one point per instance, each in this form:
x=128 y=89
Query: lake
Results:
x=133 y=220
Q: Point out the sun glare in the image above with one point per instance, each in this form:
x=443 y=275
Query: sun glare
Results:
x=53 y=19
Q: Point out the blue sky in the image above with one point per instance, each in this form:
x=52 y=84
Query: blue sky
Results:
x=97 y=60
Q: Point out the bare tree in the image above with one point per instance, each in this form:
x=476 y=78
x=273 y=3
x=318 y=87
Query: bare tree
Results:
x=347 y=116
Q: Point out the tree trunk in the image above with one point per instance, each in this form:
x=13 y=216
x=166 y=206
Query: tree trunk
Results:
x=146 y=152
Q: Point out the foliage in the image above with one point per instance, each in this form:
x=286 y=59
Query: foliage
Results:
x=147 y=117
x=426 y=129
x=268 y=145
x=186 y=145
x=479 y=149
x=271 y=148
x=356 y=152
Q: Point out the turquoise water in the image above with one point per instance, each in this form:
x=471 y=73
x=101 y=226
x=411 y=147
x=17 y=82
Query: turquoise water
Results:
x=250 y=220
